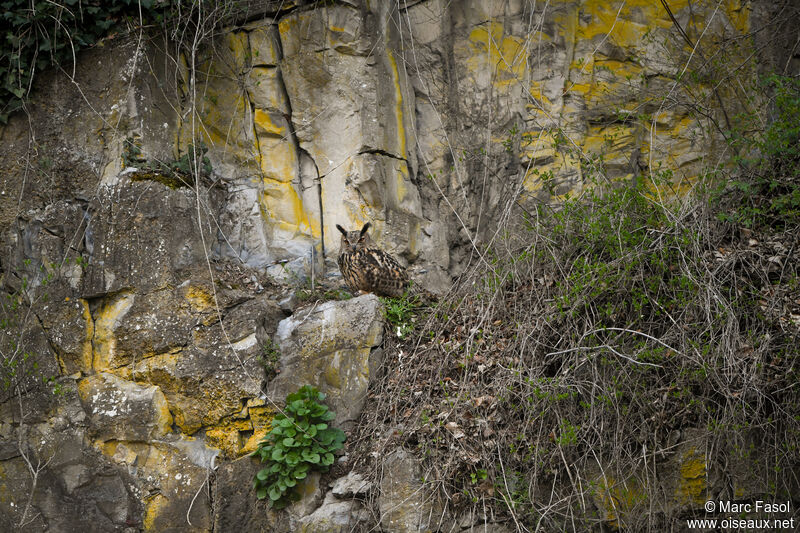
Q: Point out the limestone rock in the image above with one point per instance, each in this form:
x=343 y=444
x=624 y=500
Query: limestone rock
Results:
x=404 y=503
x=334 y=516
x=353 y=484
x=236 y=507
x=331 y=346
x=136 y=216
x=77 y=487
x=122 y=410
x=172 y=477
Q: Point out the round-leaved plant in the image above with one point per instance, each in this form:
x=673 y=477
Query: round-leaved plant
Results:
x=300 y=442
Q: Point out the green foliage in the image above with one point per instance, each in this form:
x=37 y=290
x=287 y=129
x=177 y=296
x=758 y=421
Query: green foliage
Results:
x=41 y=33
x=401 y=313
x=300 y=442
x=766 y=192
x=269 y=357
x=174 y=174
x=305 y=293
x=616 y=273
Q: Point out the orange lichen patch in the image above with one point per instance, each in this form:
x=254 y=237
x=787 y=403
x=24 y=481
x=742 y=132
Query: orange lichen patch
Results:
x=692 y=482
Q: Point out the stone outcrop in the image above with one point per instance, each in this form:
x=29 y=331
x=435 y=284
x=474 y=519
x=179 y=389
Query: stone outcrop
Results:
x=334 y=347
x=406 y=505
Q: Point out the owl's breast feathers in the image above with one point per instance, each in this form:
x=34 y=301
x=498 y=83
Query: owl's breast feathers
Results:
x=373 y=270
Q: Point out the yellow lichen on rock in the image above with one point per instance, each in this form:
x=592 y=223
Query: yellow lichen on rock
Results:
x=261 y=419
x=400 y=130
x=492 y=51
x=199 y=298
x=692 y=483
x=227 y=438
x=617 y=499
x=281 y=203
x=87 y=355
x=107 y=318
x=154 y=506
x=266 y=124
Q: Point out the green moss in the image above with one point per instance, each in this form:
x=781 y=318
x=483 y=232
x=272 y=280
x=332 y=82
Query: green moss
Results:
x=173 y=182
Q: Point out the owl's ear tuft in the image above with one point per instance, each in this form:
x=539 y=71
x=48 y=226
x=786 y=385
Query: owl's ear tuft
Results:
x=341 y=229
x=365 y=228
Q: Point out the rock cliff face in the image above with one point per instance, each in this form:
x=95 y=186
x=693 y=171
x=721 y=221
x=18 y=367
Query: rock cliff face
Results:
x=153 y=303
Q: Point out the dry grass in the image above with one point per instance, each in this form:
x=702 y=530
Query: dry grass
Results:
x=593 y=339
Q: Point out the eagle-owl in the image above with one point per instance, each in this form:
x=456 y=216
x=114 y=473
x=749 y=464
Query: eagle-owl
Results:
x=366 y=268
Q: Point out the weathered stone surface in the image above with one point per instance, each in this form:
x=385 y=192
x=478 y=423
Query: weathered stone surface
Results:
x=173 y=475
x=122 y=410
x=236 y=507
x=332 y=347
x=76 y=487
x=404 y=503
x=98 y=499
x=351 y=485
x=208 y=382
x=418 y=120
x=136 y=216
x=359 y=144
x=334 y=516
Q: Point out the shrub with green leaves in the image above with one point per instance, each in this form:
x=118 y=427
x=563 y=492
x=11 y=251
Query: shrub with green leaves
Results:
x=766 y=190
x=300 y=442
x=401 y=313
x=40 y=33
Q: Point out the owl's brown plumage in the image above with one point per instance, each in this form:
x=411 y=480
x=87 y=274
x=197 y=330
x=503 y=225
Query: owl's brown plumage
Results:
x=368 y=268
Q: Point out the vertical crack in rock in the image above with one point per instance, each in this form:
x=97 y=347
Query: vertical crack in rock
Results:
x=303 y=156
x=91 y=318
x=62 y=367
x=306 y=164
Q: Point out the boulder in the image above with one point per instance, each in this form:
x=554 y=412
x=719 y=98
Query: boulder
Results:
x=333 y=347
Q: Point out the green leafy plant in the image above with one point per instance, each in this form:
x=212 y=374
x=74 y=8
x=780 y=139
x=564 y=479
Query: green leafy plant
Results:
x=401 y=313
x=269 y=357
x=300 y=442
x=174 y=174
x=766 y=191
